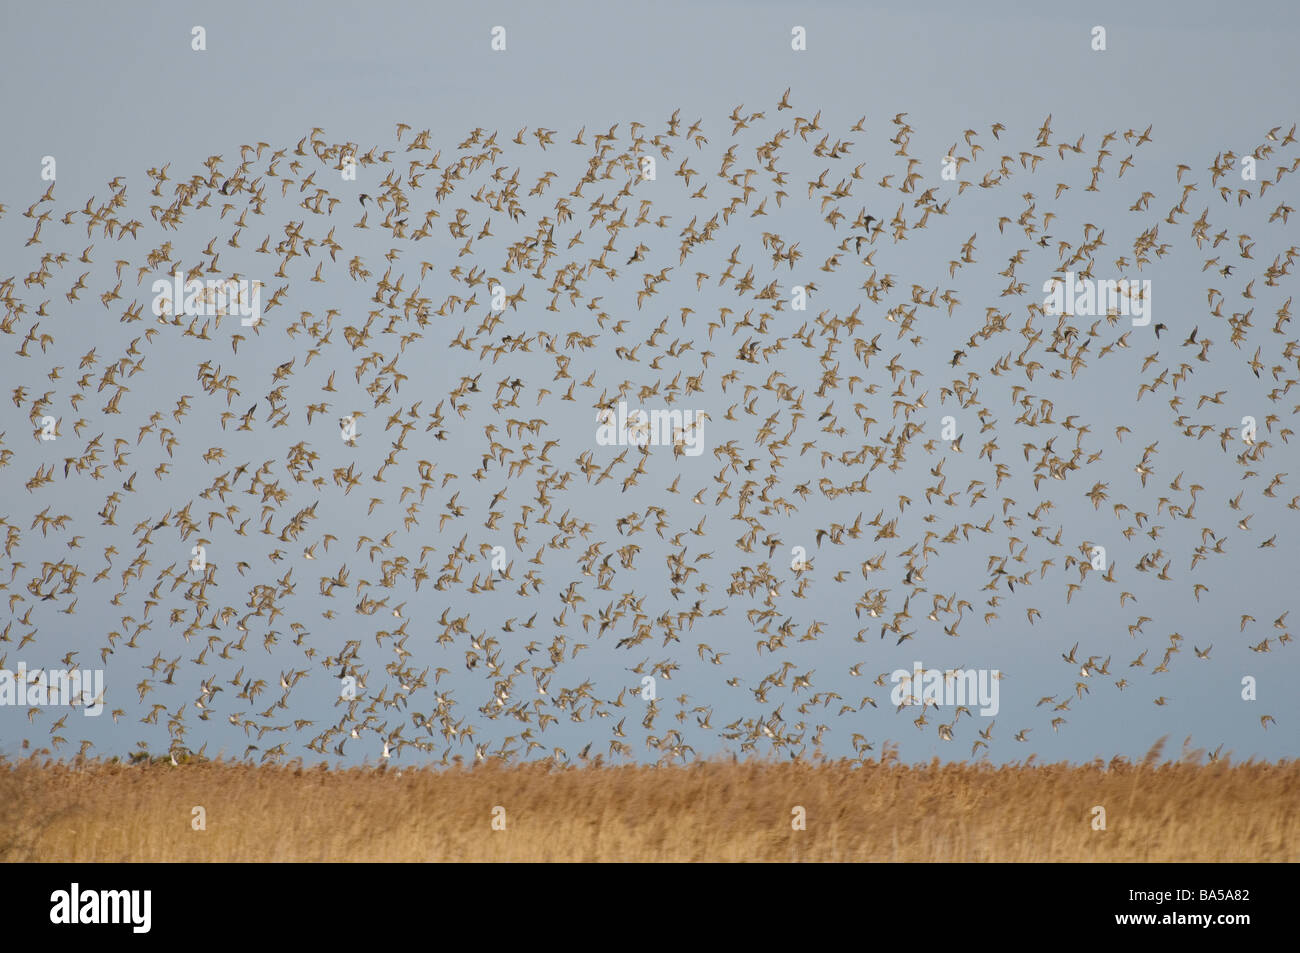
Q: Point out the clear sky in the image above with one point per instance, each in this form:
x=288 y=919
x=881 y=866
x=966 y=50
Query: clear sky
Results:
x=117 y=90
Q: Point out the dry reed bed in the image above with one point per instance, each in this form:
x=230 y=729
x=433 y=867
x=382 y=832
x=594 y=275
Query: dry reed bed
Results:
x=712 y=811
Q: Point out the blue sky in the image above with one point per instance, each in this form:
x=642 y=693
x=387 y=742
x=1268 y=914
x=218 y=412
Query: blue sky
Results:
x=112 y=92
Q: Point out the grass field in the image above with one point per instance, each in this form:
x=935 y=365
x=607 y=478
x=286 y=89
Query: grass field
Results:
x=713 y=811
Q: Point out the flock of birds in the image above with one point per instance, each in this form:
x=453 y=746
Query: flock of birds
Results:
x=441 y=328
